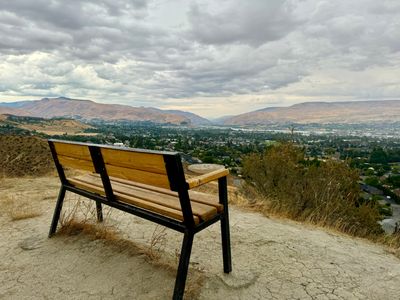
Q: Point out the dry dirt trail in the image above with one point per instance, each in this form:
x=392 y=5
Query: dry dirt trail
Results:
x=272 y=259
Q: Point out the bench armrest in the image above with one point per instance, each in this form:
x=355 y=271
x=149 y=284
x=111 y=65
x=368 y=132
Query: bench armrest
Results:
x=202 y=179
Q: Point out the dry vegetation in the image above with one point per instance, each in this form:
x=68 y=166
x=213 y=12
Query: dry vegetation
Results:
x=157 y=242
x=79 y=216
x=20 y=206
x=24 y=156
x=24 y=198
x=282 y=182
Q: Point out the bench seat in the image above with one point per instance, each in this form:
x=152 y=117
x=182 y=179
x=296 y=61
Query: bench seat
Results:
x=155 y=199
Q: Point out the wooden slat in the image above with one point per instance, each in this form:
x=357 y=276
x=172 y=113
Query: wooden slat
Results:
x=87 y=187
x=202 y=179
x=194 y=195
x=71 y=150
x=206 y=199
x=74 y=163
x=159 y=209
x=162 y=210
x=139 y=176
x=203 y=211
x=153 y=163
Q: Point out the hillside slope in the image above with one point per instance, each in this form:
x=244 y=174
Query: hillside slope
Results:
x=57 y=126
x=89 y=110
x=272 y=259
x=322 y=112
x=24 y=156
x=13 y=111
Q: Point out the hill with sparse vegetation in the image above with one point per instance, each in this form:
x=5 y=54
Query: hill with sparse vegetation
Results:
x=24 y=156
x=54 y=126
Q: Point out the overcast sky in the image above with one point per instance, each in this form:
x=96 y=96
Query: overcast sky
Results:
x=212 y=58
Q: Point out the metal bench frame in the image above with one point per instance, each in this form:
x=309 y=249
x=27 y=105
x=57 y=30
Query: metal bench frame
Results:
x=178 y=183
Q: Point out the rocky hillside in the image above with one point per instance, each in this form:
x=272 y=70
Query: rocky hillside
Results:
x=89 y=110
x=322 y=112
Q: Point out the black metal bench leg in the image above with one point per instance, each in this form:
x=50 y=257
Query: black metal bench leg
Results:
x=183 y=265
x=57 y=211
x=225 y=235
x=226 y=243
x=99 y=211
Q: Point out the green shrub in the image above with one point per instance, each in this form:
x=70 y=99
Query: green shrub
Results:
x=325 y=193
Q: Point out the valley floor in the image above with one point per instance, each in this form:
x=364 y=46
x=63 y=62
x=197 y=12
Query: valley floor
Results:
x=272 y=259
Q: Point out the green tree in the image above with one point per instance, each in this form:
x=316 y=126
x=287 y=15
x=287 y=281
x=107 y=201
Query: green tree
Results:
x=378 y=156
x=373 y=181
x=394 y=180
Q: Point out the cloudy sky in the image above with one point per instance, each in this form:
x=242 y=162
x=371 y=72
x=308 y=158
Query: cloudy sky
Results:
x=210 y=57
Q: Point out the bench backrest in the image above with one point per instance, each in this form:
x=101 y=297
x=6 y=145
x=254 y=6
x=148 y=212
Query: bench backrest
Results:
x=156 y=168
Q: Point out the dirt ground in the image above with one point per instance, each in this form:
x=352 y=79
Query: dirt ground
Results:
x=272 y=259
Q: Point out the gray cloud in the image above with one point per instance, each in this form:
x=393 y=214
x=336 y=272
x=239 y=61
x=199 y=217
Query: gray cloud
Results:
x=152 y=52
x=251 y=22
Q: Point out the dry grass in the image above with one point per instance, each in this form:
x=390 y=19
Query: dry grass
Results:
x=94 y=231
x=392 y=242
x=157 y=242
x=24 y=155
x=79 y=216
x=20 y=206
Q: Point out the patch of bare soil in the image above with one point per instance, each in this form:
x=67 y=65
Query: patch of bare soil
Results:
x=272 y=259
x=24 y=156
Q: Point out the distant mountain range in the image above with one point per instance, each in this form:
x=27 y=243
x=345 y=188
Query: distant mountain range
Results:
x=303 y=113
x=323 y=113
x=90 y=110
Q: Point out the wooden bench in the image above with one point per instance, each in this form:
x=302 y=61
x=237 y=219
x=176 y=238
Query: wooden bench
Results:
x=148 y=184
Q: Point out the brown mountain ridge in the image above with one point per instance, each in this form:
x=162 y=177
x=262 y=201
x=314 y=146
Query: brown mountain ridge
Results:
x=89 y=110
x=349 y=112
x=322 y=112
